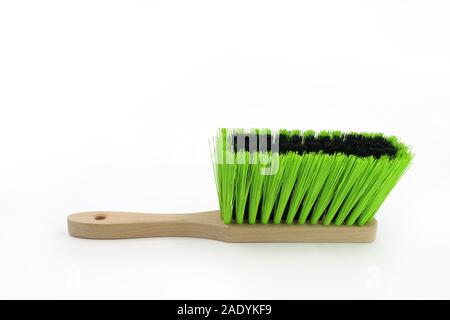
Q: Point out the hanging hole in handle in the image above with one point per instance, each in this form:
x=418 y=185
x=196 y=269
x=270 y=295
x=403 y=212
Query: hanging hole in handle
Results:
x=100 y=217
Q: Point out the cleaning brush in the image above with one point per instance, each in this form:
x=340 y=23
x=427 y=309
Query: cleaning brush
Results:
x=278 y=186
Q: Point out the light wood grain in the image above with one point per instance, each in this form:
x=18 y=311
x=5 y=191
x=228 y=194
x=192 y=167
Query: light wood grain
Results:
x=123 y=225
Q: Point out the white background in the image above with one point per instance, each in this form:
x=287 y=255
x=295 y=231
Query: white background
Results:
x=109 y=105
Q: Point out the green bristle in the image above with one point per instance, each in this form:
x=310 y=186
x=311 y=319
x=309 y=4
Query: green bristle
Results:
x=226 y=176
x=309 y=186
x=354 y=168
x=376 y=184
x=306 y=175
x=242 y=184
x=324 y=163
x=271 y=190
x=339 y=164
x=292 y=164
x=256 y=187
x=364 y=180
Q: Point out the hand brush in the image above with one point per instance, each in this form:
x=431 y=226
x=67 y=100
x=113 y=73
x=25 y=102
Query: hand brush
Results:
x=277 y=186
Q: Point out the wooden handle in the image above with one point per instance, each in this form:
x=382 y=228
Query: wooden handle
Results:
x=123 y=225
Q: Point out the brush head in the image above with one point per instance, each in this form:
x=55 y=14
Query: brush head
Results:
x=327 y=177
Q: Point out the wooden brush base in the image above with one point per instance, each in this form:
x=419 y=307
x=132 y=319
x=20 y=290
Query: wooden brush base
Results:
x=124 y=225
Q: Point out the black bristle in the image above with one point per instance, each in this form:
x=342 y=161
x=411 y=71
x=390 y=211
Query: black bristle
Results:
x=350 y=144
